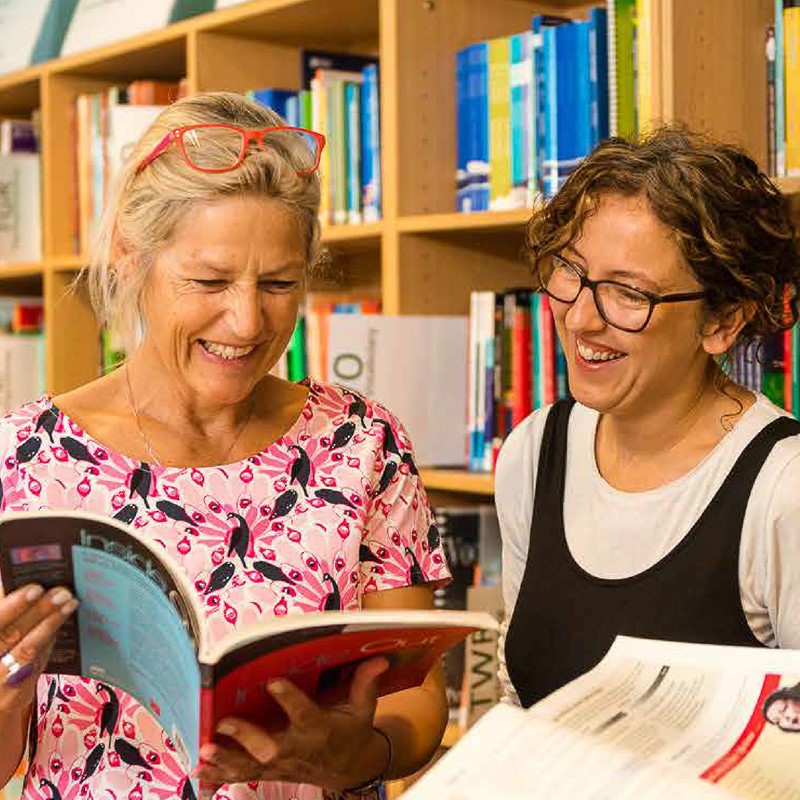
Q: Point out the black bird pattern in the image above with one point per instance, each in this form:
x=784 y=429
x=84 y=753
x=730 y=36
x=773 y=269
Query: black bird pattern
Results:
x=389 y=442
x=358 y=408
x=333 y=497
x=129 y=754
x=301 y=468
x=174 y=512
x=187 y=792
x=415 y=573
x=93 y=761
x=78 y=450
x=365 y=554
x=141 y=480
x=240 y=538
x=54 y=793
x=272 y=572
x=28 y=449
x=220 y=577
x=46 y=421
x=389 y=471
x=127 y=513
x=333 y=602
x=342 y=435
x=408 y=460
x=109 y=716
x=284 y=504
x=51 y=692
x=434 y=537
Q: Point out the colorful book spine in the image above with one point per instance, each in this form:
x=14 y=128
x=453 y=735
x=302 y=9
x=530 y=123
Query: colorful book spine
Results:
x=462 y=131
x=371 y=145
x=626 y=115
x=598 y=75
x=499 y=108
x=791 y=50
x=780 y=108
x=352 y=103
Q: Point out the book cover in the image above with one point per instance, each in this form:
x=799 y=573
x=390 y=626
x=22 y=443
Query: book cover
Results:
x=499 y=107
x=20 y=208
x=138 y=612
x=371 y=145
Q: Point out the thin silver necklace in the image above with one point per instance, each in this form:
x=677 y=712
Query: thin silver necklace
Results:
x=146 y=441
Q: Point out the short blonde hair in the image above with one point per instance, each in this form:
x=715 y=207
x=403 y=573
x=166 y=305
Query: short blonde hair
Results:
x=145 y=208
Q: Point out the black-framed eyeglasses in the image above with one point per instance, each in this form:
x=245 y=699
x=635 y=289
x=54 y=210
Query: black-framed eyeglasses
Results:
x=620 y=305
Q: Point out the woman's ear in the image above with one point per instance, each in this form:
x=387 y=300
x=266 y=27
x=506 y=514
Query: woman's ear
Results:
x=720 y=331
x=121 y=262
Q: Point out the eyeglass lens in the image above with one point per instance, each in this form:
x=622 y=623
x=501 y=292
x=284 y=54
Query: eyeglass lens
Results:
x=219 y=148
x=621 y=306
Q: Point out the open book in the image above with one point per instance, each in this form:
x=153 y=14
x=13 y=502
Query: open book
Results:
x=653 y=720
x=139 y=628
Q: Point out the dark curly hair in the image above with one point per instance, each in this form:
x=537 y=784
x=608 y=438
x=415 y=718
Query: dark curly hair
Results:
x=731 y=223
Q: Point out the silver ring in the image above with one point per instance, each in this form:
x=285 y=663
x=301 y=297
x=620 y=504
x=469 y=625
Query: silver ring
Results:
x=11 y=664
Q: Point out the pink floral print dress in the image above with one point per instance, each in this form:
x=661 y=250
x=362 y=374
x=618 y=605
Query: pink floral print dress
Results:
x=336 y=505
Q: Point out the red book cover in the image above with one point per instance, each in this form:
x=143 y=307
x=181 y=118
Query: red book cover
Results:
x=521 y=359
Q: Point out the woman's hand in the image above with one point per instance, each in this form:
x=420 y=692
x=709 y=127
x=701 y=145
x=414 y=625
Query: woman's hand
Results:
x=29 y=621
x=335 y=748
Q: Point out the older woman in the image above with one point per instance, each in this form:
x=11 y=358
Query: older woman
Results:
x=663 y=501
x=203 y=259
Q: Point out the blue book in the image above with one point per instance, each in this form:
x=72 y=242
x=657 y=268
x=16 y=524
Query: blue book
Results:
x=370 y=146
x=462 y=131
x=276 y=99
x=293 y=111
x=549 y=164
x=539 y=24
x=598 y=73
x=583 y=92
x=480 y=167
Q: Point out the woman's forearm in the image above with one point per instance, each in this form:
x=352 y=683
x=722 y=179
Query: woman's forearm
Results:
x=414 y=720
x=13 y=730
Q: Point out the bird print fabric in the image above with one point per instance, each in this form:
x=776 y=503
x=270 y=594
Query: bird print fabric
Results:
x=331 y=511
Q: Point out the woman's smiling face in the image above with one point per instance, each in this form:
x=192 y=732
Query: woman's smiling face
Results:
x=223 y=296
x=609 y=369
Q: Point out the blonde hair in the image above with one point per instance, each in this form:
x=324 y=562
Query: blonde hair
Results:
x=145 y=208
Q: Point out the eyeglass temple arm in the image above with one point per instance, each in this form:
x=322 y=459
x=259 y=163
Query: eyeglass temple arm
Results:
x=156 y=152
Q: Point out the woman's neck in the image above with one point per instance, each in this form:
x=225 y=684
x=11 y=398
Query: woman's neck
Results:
x=645 y=449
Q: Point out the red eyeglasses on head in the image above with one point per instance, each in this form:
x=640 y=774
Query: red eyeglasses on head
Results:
x=218 y=147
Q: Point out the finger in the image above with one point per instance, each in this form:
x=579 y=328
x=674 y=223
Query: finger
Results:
x=28 y=607
x=34 y=644
x=255 y=741
x=302 y=711
x=364 y=686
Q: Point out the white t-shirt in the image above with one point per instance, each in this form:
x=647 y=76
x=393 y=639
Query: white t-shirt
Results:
x=615 y=534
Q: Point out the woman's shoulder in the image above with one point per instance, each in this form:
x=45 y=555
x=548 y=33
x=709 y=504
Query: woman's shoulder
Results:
x=18 y=421
x=331 y=401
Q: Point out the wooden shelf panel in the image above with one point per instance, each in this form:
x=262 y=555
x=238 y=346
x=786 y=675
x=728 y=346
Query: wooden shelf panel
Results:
x=20 y=92
x=479 y=220
x=343 y=23
x=66 y=263
x=159 y=55
x=457 y=480
x=788 y=185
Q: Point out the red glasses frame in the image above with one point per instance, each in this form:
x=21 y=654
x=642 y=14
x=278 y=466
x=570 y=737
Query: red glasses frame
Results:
x=176 y=135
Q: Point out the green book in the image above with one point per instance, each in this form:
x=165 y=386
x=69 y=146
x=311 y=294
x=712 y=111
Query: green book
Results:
x=625 y=29
x=296 y=352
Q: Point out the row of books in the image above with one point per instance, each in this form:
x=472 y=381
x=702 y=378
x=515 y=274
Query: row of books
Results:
x=783 y=90
x=771 y=366
x=34 y=31
x=106 y=125
x=516 y=365
x=530 y=106
x=341 y=101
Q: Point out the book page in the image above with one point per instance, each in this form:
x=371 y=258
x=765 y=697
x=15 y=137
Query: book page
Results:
x=652 y=717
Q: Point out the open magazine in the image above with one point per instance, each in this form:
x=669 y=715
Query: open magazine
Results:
x=653 y=720
x=139 y=628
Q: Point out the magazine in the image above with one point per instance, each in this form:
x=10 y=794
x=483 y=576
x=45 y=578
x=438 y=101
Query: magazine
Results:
x=138 y=627
x=655 y=720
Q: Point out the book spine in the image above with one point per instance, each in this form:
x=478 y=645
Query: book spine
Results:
x=780 y=107
x=371 y=143
x=518 y=87
x=338 y=150
x=769 y=52
x=462 y=132
x=353 y=152
x=598 y=67
x=613 y=95
x=791 y=32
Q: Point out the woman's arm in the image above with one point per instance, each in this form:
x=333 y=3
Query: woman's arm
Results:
x=415 y=719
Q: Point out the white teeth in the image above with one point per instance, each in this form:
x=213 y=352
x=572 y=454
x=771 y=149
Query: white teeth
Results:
x=601 y=355
x=226 y=351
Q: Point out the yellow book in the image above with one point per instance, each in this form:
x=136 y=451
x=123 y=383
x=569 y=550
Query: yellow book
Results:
x=499 y=123
x=791 y=49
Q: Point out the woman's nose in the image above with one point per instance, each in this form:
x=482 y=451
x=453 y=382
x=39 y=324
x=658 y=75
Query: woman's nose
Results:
x=583 y=314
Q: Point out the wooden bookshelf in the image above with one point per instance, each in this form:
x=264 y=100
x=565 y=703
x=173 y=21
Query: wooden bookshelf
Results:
x=708 y=71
